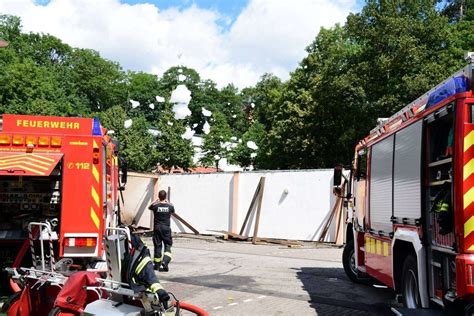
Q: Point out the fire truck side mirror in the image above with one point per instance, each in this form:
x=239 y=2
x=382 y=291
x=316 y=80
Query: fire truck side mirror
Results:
x=337 y=178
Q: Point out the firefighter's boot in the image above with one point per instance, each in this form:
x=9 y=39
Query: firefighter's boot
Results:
x=166 y=259
x=157 y=263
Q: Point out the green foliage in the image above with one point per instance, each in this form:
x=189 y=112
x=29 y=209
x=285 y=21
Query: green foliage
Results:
x=381 y=59
x=173 y=150
x=213 y=146
x=242 y=154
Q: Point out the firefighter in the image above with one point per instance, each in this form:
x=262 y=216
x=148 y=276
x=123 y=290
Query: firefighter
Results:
x=138 y=271
x=162 y=210
x=442 y=207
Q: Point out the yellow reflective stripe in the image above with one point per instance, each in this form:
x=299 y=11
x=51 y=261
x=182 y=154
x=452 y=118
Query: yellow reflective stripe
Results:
x=142 y=264
x=95 y=173
x=24 y=161
x=95 y=196
x=468 y=169
x=155 y=287
x=21 y=166
x=168 y=254
x=469 y=226
x=94 y=144
x=95 y=218
x=157 y=259
x=385 y=249
x=468 y=197
x=379 y=246
x=471 y=248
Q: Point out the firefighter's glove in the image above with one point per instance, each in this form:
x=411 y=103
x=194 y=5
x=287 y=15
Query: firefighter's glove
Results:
x=164 y=297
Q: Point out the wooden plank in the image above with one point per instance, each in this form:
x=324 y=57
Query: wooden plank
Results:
x=340 y=226
x=329 y=221
x=179 y=218
x=284 y=242
x=252 y=204
x=259 y=208
x=231 y=235
x=294 y=246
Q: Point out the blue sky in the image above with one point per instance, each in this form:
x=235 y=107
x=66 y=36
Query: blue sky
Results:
x=231 y=8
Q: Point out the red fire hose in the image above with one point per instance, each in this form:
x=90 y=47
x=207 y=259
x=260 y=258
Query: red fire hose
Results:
x=192 y=308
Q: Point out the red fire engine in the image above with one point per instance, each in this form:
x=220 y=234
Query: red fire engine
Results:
x=59 y=170
x=410 y=199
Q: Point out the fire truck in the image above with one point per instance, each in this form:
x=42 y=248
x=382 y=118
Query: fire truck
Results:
x=410 y=199
x=62 y=171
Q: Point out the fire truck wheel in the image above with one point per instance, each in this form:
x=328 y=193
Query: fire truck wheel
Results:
x=12 y=300
x=348 y=261
x=410 y=289
x=58 y=312
x=469 y=309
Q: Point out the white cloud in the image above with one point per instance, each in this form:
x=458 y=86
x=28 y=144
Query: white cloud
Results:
x=267 y=36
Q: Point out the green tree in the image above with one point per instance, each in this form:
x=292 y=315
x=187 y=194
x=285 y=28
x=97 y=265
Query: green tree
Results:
x=144 y=88
x=98 y=82
x=245 y=156
x=173 y=149
x=214 y=143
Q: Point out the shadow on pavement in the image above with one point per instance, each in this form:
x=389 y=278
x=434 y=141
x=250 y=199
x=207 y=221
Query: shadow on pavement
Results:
x=331 y=292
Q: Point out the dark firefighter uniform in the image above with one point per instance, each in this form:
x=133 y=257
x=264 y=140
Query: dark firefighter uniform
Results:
x=162 y=233
x=138 y=271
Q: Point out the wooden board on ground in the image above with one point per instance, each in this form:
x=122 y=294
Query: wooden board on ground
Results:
x=230 y=235
x=280 y=241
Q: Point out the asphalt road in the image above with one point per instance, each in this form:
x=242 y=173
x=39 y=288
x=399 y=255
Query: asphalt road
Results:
x=236 y=278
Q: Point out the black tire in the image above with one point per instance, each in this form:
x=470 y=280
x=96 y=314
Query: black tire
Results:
x=12 y=299
x=468 y=310
x=410 y=285
x=55 y=311
x=348 y=261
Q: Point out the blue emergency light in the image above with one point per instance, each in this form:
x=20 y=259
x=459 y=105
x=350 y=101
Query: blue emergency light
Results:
x=449 y=88
x=96 y=129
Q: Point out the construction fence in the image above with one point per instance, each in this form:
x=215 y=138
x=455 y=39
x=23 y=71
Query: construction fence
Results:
x=294 y=204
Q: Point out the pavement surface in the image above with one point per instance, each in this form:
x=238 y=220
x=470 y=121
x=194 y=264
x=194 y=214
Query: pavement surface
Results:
x=238 y=278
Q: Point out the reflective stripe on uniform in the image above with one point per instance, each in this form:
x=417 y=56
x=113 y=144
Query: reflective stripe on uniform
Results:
x=142 y=264
x=168 y=254
x=442 y=207
x=155 y=287
x=157 y=260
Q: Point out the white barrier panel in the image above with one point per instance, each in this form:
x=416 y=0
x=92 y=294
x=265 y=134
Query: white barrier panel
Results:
x=138 y=195
x=202 y=200
x=295 y=203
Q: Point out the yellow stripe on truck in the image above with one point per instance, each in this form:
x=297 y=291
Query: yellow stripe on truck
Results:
x=95 y=218
x=469 y=226
x=95 y=173
x=468 y=141
x=95 y=196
